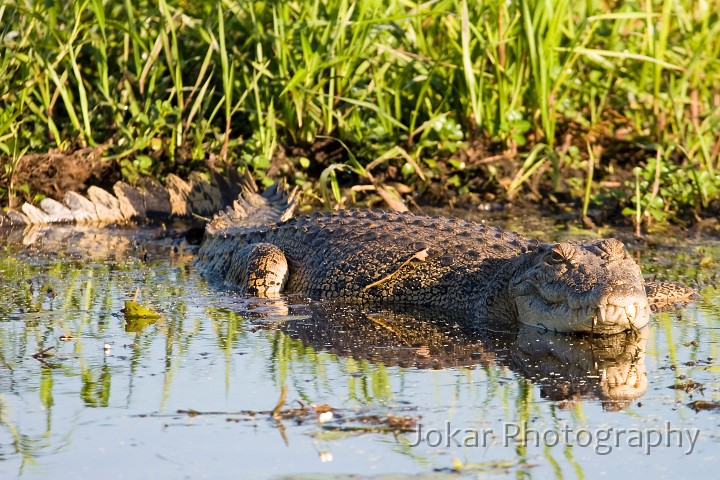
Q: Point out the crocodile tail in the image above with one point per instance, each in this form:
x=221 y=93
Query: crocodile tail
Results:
x=200 y=196
x=252 y=208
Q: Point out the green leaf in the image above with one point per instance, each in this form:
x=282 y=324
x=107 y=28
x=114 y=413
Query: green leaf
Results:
x=135 y=310
x=137 y=317
x=143 y=162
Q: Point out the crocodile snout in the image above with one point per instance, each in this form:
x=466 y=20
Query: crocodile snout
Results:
x=621 y=307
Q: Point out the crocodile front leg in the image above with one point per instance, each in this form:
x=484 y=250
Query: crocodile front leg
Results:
x=258 y=269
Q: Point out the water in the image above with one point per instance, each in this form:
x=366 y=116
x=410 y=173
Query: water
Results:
x=190 y=395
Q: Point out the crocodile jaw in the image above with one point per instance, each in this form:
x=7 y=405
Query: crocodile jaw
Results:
x=590 y=286
x=613 y=315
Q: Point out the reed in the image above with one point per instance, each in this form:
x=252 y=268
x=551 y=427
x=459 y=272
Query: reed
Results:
x=168 y=81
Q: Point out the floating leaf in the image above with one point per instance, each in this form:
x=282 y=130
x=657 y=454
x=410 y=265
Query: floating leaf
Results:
x=133 y=309
x=138 y=317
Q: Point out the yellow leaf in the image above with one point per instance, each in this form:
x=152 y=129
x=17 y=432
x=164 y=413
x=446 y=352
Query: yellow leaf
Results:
x=133 y=309
x=138 y=317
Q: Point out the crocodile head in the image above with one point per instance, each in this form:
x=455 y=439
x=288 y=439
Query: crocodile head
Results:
x=586 y=286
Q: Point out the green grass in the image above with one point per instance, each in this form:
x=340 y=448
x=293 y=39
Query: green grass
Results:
x=541 y=82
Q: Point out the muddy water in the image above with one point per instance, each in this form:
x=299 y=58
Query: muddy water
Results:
x=86 y=392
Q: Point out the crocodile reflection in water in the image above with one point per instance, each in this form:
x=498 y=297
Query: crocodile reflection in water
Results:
x=567 y=368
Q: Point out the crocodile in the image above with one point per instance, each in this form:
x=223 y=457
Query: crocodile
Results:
x=483 y=273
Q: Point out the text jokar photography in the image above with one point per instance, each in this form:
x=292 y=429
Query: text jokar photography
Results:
x=602 y=440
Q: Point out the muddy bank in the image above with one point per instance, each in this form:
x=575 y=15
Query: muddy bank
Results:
x=478 y=176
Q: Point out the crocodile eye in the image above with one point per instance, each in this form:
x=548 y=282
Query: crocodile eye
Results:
x=553 y=258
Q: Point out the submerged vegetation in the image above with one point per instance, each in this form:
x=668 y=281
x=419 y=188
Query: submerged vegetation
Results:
x=600 y=105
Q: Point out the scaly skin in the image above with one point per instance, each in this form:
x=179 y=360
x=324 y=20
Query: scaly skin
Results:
x=482 y=272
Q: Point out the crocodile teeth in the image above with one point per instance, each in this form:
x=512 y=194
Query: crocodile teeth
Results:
x=602 y=313
x=631 y=311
